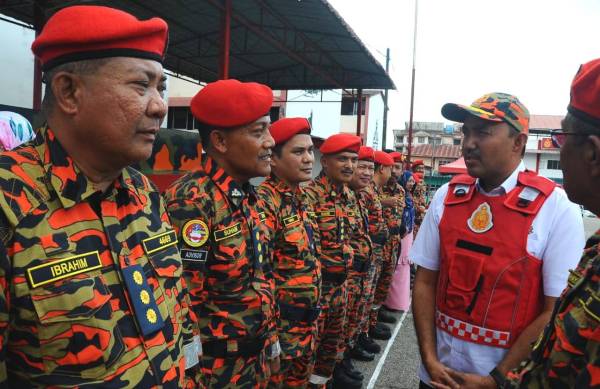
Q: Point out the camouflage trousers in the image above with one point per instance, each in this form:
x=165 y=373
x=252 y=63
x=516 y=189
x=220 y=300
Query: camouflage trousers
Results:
x=356 y=306
x=388 y=266
x=297 y=342
x=330 y=340
x=294 y=373
x=370 y=286
x=237 y=372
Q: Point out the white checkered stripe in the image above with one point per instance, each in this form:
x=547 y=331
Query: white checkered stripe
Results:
x=471 y=332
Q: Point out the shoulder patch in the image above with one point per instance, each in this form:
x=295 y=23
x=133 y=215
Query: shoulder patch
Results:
x=195 y=233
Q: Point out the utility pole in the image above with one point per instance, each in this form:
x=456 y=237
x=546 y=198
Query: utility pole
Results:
x=385 y=100
x=412 y=85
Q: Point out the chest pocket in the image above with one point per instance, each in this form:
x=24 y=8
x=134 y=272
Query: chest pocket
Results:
x=328 y=225
x=164 y=257
x=228 y=269
x=78 y=335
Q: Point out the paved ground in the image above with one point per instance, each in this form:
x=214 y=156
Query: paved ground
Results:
x=397 y=369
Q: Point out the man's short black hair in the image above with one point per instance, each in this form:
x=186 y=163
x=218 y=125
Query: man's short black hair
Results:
x=87 y=66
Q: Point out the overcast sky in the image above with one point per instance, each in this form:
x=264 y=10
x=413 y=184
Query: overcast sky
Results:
x=466 y=48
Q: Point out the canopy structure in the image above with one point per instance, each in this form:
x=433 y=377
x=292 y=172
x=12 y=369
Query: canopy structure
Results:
x=286 y=44
x=456 y=167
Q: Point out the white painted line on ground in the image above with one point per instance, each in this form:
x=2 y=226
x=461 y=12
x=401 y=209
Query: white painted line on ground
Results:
x=381 y=361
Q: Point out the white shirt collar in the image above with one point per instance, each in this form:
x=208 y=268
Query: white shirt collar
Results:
x=509 y=184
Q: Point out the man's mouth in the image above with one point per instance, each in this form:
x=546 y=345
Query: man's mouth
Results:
x=265 y=157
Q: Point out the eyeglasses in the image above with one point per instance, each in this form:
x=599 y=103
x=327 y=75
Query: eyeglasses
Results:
x=559 y=137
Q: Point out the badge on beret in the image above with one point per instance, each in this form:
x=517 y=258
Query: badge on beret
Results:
x=481 y=219
x=195 y=233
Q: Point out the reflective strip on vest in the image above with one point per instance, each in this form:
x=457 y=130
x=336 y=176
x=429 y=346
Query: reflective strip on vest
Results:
x=471 y=332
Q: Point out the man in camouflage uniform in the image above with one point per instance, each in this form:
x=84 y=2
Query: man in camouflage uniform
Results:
x=357 y=275
x=419 y=200
x=296 y=269
x=331 y=199
x=567 y=354
x=378 y=232
x=393 y=205
x=223 y=238
x=91 y=292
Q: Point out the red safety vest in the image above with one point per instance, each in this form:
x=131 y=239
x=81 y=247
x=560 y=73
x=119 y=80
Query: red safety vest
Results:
x=489 y=287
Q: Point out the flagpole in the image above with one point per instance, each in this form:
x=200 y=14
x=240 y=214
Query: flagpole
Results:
x=412 y=84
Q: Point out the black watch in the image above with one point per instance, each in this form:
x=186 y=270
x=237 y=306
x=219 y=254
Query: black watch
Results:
x=498 y=377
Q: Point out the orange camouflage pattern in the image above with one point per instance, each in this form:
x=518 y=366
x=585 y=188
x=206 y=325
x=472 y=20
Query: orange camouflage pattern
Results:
x=297 y=275
x=359 y=272
x=227 y=272
x=66 y=317
x=567 y=353
x=391 y=249
x=378 y=231
x=330 y=203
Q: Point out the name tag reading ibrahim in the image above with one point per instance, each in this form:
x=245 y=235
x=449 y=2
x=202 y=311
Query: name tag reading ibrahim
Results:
x=63 y=268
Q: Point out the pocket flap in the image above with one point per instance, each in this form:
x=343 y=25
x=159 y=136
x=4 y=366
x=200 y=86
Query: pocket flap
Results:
x=465 y=270
x=76 y=298
x=167 y=262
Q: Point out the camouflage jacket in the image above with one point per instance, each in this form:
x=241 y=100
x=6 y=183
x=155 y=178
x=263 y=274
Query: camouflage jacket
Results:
x=296 y=269
x=419 y=202
x=90 y=283
x=378 y=230
x=393 y=214
x=223 y=241
x=331 y=203
x=567 y=354
x=360 y=240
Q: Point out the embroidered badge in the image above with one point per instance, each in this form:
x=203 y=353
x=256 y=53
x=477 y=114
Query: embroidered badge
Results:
x=262 y=216
x=227 y=232
x=236 y=193
x=481 y=219
x=291 y=220
x=160 y=242
x=63 y=268
x=195 y=233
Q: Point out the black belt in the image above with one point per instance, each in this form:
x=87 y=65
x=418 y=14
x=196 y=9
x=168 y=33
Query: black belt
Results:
x=379 y=239
x=243 y=347
x=395 y=231
x=360 y=266
x=334 y=278
x=304 y=315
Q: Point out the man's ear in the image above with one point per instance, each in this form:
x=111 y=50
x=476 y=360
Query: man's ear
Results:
x=67 y=91
x=324 y=161
x=520 y=142
x=592 y=155
x=218 y=140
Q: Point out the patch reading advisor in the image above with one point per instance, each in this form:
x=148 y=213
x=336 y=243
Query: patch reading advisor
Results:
x=63 y=268
x=194 y=255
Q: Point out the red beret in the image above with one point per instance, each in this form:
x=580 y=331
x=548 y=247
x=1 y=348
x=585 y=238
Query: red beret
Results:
x=366 y=153
x=383 y=158
x=284 y=129
x=90 y=31
x=230 y=103
x=396 y=155
x=341 y=142
x=585 y=93
x=417 y=162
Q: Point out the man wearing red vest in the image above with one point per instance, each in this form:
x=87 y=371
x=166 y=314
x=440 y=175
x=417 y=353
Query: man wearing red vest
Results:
x=492 y=252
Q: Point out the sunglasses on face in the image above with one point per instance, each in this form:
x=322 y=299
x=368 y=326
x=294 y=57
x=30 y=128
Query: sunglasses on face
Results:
x=559 y=137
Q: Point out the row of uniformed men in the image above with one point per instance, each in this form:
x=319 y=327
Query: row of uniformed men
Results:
x=91 y=286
